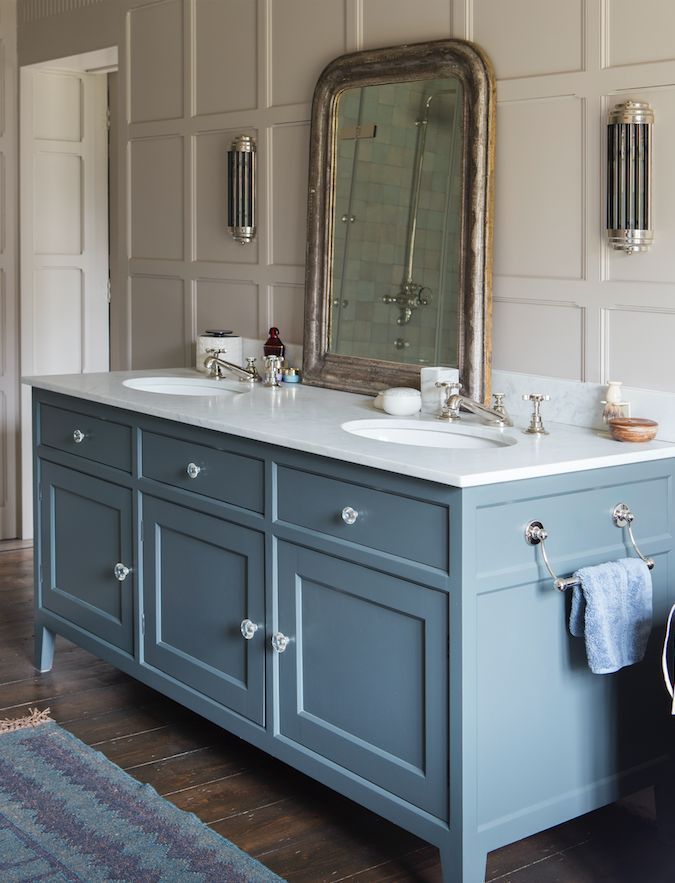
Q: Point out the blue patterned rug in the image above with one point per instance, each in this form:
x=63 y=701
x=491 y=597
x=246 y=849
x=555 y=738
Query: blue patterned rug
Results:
x=67 y=813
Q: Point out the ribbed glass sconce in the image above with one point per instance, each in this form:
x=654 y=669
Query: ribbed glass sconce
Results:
x=241 y=189
x=629 y=170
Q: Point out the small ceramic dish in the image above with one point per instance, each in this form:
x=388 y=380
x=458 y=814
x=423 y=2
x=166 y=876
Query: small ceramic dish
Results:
x=401 y=401
x=632 y=429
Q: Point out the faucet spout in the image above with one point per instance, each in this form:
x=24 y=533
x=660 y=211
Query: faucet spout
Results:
x=217 y=367
x=455 y=402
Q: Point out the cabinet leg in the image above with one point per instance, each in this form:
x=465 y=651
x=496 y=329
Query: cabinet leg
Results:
x=44 y=648
x=463 y=866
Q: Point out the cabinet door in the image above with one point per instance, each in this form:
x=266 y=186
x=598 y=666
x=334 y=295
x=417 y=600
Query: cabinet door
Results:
x=203 y=577
x=86 y=532
x=363 y=680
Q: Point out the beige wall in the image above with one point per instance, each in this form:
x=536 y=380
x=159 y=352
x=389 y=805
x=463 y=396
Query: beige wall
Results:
x=9 y=301
x=196 y=72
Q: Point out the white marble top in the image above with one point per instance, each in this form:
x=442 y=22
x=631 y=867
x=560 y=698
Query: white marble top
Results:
x=309 y=419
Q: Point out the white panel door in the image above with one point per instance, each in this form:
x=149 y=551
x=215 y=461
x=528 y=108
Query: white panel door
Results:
x=64 y=232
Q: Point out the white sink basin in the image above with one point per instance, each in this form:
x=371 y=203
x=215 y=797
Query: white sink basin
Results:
x=428 y=434
x=182 y=386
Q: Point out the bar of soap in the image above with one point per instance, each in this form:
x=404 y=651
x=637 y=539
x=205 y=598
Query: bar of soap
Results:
x=401 y=401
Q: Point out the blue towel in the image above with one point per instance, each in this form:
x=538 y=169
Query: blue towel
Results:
x=612 y=609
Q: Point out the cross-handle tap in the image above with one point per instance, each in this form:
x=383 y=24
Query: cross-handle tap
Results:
x=536 y=426
x=498 y=407
x=454 y=402
x=450 y=409
x=217 y=367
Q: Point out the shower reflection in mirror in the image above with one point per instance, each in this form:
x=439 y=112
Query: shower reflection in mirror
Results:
x=397 y=223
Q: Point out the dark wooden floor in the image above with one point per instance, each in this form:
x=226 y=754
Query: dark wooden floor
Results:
x=304 y=832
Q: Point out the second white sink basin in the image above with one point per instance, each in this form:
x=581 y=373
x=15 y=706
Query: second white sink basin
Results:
x=183 y=386
x=429 y=434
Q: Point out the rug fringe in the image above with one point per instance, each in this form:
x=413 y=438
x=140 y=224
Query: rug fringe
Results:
x=35 y=717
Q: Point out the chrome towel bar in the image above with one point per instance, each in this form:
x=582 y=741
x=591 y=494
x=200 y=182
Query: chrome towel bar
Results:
x=536 y=533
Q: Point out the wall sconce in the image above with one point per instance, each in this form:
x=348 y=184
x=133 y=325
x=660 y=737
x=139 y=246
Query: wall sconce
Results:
x=241 y=189
x=629 y=171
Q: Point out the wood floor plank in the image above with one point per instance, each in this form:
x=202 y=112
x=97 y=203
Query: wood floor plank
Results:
x=160 y=743
x=197 y=767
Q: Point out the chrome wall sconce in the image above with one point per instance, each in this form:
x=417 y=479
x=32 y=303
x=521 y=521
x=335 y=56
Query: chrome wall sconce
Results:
x=629 y=172
x=241 y=162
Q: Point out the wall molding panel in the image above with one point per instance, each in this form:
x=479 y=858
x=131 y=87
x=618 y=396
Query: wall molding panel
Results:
x=559 y=66
x=34 y=10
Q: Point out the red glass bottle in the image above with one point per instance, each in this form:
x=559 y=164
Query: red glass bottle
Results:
x=273 y=345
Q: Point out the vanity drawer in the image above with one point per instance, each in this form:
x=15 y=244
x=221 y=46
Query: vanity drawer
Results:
x=92 y=438
x=209 y=472
x=386 y=521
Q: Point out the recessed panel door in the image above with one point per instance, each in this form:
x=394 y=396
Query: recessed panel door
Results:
x=87 y=575
x=363 y=677
x=203 y=580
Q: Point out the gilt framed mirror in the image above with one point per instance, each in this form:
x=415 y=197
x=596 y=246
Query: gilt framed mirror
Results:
x=399 y=242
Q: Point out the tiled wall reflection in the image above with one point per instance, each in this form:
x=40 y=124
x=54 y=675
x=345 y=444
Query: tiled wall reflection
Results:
x=379 y=138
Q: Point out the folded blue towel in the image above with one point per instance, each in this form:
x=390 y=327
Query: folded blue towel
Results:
x=612 y=609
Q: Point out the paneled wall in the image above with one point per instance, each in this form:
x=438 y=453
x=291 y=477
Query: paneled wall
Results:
x=197 y=72
x=9 y=343
x=565 y=304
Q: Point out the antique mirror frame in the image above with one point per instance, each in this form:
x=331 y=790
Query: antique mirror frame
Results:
x=432 y=60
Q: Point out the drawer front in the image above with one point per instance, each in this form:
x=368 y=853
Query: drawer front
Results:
x=579 y=523
x=209 y=472
x=91 y=438
x=388 y=522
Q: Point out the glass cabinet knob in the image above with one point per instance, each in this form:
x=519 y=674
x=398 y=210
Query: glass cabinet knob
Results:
x=279 y=642
x=121 y=571
x=78 y=436
x=248 y=629
x=349 y=515
x=193 y=470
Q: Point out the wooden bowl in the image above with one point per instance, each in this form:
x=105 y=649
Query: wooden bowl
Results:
x=632 y=429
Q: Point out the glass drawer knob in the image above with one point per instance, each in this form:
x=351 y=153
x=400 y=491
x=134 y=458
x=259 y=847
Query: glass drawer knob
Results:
x=193 y=470
x=248 y=629
x=349 y=515
x=121 y=571
x=78 y=436
x=279 y=642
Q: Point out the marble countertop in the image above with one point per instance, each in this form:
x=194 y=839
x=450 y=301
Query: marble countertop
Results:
x=309 y=419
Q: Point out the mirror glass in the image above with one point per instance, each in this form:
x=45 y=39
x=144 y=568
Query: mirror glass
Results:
x=399 y=218
x=397 y=222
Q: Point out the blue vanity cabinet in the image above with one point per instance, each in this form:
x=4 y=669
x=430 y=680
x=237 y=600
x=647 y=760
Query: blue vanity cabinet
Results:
x=204 y=578
x=402 y=643
x=85 y=554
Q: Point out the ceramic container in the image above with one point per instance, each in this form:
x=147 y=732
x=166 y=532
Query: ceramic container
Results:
x=433 y=397
x=633 y=429
x=228 y=344
x=401 y=401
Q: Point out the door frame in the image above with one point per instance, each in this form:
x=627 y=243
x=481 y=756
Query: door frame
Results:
x=100 y=63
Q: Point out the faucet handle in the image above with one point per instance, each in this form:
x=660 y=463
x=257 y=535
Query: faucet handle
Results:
x=452 y=388
x=536 y=426
x=251 y=368
x=499 y=408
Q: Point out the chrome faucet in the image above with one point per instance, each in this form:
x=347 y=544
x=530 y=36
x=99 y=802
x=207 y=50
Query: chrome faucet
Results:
x=217 y=367
x=454 y=402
